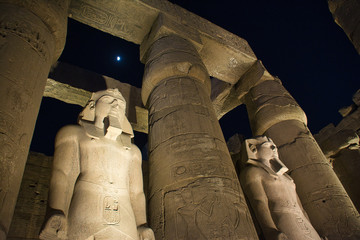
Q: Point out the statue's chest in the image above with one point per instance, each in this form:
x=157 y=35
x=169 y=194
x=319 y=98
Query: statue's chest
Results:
x=279 y=188
x=107 y=160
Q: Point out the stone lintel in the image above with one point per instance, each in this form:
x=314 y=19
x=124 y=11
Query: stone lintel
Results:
x=66 y=93
x=74 y=85
x=225 y=55
x=226 y=96
x=164 y=26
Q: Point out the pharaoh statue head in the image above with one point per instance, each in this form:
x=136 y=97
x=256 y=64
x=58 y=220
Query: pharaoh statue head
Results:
x=106 y=110
x=262 y=152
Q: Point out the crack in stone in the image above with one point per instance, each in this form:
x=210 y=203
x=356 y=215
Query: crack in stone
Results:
x=275 y=97
x=305 y=165
x=302 y=134
x=278 y=106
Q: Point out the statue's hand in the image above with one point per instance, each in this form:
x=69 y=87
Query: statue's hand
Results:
x=146 y=233
x=55 y=228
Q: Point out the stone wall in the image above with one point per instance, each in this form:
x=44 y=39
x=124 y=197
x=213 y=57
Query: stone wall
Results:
x=31 y=203
x=340 y=145
x=346 y=15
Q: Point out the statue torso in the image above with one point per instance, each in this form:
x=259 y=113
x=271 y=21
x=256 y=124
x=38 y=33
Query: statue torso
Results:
x=283 y=204
x=101 y=200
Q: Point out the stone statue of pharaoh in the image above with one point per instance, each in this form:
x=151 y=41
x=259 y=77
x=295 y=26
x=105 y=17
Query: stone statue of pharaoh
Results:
x=96 y=188
x=272 y=193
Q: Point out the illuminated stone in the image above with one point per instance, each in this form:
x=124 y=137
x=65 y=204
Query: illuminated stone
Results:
x=272 y=193
x=194 y=192
x=96 y=188
x=32 y=36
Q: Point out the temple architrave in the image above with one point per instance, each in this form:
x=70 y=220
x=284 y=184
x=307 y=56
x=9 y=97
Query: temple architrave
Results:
x=195 y=72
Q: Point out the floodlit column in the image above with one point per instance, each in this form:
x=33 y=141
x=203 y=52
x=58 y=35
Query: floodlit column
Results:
x=194 y=191
x=32 y=36
x=274 y=113
x=346 y=165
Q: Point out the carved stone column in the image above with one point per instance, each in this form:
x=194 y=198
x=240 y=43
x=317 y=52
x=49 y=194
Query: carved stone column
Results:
x=194 y=191
x=32 y=36
x=346 y=165
x=274 y=113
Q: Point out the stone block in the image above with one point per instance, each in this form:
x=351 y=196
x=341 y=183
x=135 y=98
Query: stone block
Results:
x=351 y=121
x=225 y=55
x=346 y=15
x=31 y=203
x=356 y=98
x=338 y=141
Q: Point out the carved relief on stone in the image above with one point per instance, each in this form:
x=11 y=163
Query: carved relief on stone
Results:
x=203 y=214
x=272 y=193
x=28 y=29
x=96 y=189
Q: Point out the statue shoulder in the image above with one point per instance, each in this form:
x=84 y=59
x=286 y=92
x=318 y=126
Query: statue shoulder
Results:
x=252 y=173
x=68 y=133
x=135 y=152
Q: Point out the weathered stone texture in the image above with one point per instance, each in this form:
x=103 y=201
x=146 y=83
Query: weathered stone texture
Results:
x=53 y=13
x=226 y=96
x=268 y=103
x=27 y=49
x=66 y=93
x=274 y=113
x=272 y=193
x=356 y=98
x=346 y=165
x=336 y=142
x=31 y=203
x=340 y=145
x=234 y=145
x=346 y=15
x=329 y=208
x=225 y=55
x=194 y=192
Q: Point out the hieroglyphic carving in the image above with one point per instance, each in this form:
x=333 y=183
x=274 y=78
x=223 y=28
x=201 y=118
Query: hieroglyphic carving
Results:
x=207 y=167
x=202 y=25
x=105 y=18
x=111 y=210
x=8 y=125
x=53 y=14
x=214 y=214
x=225 y=55
x=7 y=152
x=25 y=31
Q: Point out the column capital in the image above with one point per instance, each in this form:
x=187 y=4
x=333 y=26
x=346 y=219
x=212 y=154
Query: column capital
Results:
x=165 y=26
x=53 y=13
x=171 y=50
x=269 y=103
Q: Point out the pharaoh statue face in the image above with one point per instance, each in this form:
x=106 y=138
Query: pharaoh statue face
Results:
x=102 y=104
x=267 y=151
x=262 y=149
x=109 y=106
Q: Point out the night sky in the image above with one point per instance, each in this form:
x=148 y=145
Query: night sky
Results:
x=298 y=41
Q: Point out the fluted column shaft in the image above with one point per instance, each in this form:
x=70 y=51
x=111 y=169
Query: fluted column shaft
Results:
x=28 y=47
x=194 y=191
x=274 y=113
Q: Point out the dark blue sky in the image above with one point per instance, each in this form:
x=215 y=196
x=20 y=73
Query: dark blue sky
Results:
x=298 y=41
